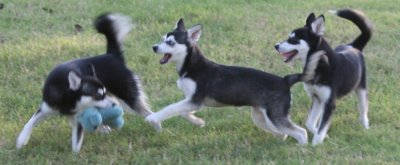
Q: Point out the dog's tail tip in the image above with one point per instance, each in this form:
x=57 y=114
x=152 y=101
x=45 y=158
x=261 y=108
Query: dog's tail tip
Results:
x=115 y=27
x=333 y=12
x=293 y=79
x=362 y=22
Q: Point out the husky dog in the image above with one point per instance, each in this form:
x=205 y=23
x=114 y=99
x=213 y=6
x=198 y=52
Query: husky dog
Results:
x=206 y=83
x=328 y=73
x=78 y=84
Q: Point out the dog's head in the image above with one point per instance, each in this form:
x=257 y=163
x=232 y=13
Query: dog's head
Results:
x=89 y=92
x=302 y=41
x=175 y=45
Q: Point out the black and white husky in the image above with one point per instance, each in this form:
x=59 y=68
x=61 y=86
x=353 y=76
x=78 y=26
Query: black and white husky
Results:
x=206 y=83
x=82 y=83
x=329 y=74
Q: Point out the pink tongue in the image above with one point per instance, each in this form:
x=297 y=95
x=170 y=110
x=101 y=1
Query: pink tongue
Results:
x=165 y=58
x=288 y=54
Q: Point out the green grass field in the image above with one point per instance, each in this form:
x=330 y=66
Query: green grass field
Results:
x=37 y=35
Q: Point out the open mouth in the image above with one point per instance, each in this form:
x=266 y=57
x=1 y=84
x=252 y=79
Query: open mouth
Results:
x=289 y=55
x=165 y=58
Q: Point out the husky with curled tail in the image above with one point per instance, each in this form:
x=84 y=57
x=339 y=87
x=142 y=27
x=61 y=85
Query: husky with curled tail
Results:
x=76 y=85
x=329 y=74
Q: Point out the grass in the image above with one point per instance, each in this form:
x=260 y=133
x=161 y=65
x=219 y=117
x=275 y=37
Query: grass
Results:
x=37 y=35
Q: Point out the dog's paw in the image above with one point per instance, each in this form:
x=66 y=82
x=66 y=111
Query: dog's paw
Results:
x=284 y=137
x=364 y=121
x=22 y=140
x=153 y=120
x=104 y=129
x=318 y=139
x=201 y=123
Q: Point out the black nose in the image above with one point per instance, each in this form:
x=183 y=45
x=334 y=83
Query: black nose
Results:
x=113 y=105
x=277 y=46
x=155 y=47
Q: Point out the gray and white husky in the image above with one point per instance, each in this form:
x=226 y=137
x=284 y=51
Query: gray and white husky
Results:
x=328 y=73
x=206 y=83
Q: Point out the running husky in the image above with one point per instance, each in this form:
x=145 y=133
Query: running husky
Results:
x=206 y=83
x=329 y=74
x=78 y=84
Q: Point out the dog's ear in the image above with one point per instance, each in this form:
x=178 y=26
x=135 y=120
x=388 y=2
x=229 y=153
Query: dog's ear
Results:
x=318 y=26
x=194 y=33
x=310 y=19
x=74 y=80
x=180 y=26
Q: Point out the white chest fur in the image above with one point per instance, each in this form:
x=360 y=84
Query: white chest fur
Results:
x=187 y=85
x=321 y=91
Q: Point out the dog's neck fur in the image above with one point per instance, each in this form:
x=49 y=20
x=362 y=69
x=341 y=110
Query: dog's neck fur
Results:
x=318 y=59
x=193 y=60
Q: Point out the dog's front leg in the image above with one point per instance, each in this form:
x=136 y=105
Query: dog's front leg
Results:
x=314 y=115
x=324 y=121
x=44 y=112
x=77 y=136
x=184 y=106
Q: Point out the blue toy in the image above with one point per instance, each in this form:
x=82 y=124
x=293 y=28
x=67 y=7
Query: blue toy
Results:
x=92 y=118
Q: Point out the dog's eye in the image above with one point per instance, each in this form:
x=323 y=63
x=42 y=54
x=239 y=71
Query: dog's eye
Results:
x=170 y=43
x=293 y=40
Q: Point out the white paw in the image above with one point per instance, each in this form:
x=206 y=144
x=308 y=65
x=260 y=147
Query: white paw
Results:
x=364 y=122
x=19 y=144
x=154 y=121
x=312 y=129
x=200 y=122
x=284 y=137
x=104 y=129
x=21 y=141
x=317 y=139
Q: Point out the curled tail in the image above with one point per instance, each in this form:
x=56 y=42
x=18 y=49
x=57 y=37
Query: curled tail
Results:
x=362 y=22
x=114 y=27
x=293 y=79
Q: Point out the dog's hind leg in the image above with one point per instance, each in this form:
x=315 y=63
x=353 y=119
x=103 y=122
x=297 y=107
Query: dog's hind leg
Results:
x=362 y=96
x=43 y=112
x=261 y=120
x=131 y=95
x=281 y=121
x=314 y=115
x=193 y=118
x=324 y=122
x=285 y=125
x=77 y=136
x=140 y=104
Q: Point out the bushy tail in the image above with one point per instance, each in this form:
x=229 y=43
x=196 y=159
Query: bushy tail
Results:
x=114 y=27
x=362 y=22
x=293 y=79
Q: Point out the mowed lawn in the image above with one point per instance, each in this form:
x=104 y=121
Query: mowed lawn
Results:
x=37 y=35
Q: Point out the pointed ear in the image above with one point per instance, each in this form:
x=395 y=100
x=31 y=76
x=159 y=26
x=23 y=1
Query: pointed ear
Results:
x=194 y=33
x=310 y=19
x=318 y=26
x=180 y=26
x=74 y=81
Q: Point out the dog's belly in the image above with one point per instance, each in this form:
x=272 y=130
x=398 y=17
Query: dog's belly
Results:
x=210 y=102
